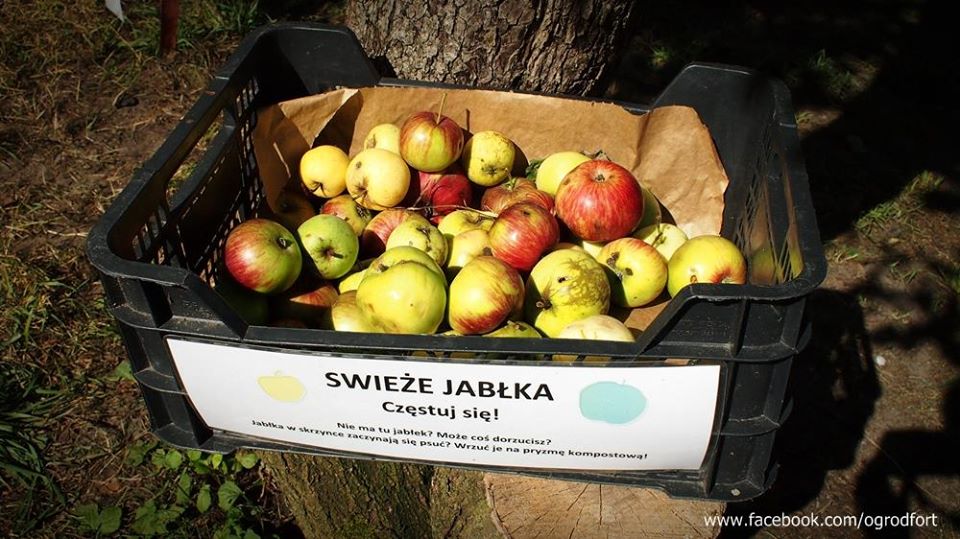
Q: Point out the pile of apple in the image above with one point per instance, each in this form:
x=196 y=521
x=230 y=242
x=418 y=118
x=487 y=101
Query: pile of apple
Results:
x=425 y=231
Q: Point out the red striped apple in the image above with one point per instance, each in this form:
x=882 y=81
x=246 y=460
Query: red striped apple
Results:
x=445 y=191
x=636 y=270
x=347 y=209
x=373 y=240
x=430 y=141
x=483 y=295
x=514 y=191
x=262 y=255
x=706 y=259
x=522 y=233
x=600 y=201
x=308 y=301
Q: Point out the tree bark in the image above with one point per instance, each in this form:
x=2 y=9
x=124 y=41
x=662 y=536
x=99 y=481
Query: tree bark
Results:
x=552 y=46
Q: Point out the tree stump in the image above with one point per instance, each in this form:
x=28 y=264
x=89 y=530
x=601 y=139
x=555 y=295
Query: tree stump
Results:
x=332 y=497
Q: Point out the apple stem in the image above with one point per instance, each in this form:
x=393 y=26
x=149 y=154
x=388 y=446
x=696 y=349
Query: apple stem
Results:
x=443 y=98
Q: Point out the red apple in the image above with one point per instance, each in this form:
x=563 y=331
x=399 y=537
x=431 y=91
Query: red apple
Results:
x=600 y=201
x=514 y=191
x=262 y=255
x=445 y=191
x=430 y=141
x=373 y=240
x=483 y=295
x=346 y=208
x=308 y=301
x=522 y=233
x=705 y=259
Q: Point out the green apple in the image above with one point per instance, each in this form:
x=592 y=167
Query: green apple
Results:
x=459 y=221
x=423 y=236
x=488 y=158
x=351 y=281
x=637 y=271
x=345 y=315
x=706 y=259
x=403 y=253
x=483 y=295
x=407 y=297
x=555 y=167
x=330 y=243
x=664 y=237
x=466 y=246
x=563 y=287
x=516 y=329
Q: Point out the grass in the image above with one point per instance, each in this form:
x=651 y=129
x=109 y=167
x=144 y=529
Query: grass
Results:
x=903 y=207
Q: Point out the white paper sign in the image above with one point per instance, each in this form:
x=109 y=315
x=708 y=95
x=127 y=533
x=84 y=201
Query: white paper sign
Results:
x=587 y=418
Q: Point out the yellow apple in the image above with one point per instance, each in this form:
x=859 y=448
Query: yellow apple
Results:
x=323 y=171
x=378 y=179
x=407 y=297
x=351 y=281
x=488 y=158
x=383 y=136
x=466 y=246
x=423 y=236
x=706 y=259
x=345 y=315
x=555 y=167
x=460 y=221
x=599 y=327
x=664 y=237
x=563 y=287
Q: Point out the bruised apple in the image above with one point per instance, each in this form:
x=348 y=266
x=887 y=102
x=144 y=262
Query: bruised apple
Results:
x=565 y=286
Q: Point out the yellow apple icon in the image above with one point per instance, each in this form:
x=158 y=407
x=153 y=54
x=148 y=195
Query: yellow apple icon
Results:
x=282 y=388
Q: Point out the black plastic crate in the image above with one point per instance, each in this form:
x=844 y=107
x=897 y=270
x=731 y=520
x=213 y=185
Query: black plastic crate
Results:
x=157 y=247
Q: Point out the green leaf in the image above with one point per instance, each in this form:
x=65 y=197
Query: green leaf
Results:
x=215 y=460
x=250 y=534
x=89 y=515
x=146 y=521
x=138 y=452
x=121 y=372
x=110 y=519
x=227 y=495
x=183 y=488
x=248 y=460
x=173 y=459
x=193 y=455
x=158 y=458
x=203 y=499
x=532 y=168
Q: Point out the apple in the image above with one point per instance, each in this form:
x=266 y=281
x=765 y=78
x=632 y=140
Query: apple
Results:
x=262 y=255
x=377 y=179
x=345 y=315
x=423 y=236
x=307 y=301
x=323 y=170
x=637 y=271
x=483 y=295
x=600 y=201
x=351 y=281
x=513 y=191
x=552 y=170
x=330 y=244
x=599 y=327
x=651 y=209
x=459 y=221
x=291 y=209
x=445 y=191
x=664 y=237
x=374 y=238
x=488 y=158
x=706 y=259
x=565 y=286
x=383 y=136
x=404 y=253
x=522 y=233
x=568 y=245
x=466 y=246
x=516 y=329
x=250 y=305
x=430 y=142
x=346 y=208
x=592 y=248
x=406 y=297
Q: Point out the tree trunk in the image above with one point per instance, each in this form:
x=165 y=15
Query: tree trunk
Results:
x=552 y=46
